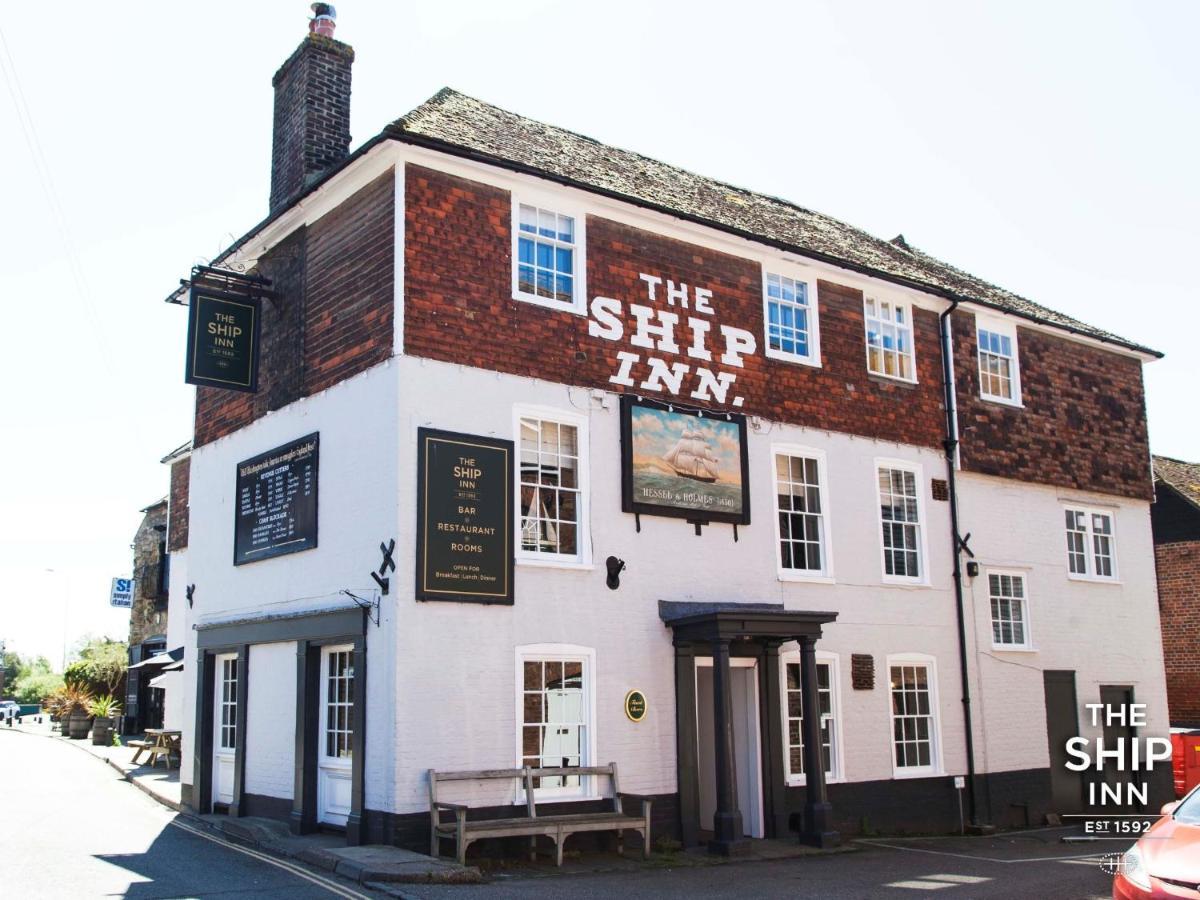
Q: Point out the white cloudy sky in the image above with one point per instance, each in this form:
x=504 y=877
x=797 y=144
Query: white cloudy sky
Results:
x=1050 y=147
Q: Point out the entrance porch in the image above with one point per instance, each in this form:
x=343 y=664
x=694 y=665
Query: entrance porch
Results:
x=730 y=723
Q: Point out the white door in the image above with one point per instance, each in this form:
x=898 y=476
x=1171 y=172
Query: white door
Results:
x=225 y=724
x=747 y=748
x=335 y=734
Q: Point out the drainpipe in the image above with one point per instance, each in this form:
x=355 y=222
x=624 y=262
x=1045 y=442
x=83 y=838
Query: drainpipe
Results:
x=951 y=446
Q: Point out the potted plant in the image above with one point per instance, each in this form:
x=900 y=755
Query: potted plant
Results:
x=104 y=710
x=53 y=704
x=77 y=702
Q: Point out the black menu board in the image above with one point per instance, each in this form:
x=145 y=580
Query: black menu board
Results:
x=464 y=517
x=277 y=502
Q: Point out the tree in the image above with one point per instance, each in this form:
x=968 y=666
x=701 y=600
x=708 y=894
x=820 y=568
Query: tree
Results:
x=33 y=687
x=100 y=667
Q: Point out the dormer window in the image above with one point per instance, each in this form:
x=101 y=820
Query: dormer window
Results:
x=547 y=256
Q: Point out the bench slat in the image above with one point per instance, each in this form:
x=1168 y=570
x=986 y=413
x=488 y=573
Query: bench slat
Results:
x=479 y=775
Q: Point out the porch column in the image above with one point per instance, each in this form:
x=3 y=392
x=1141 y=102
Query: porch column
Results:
x=775 y=740
x=728 y=839
x=818 y=813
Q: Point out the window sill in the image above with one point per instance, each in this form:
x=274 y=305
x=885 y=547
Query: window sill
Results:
x=1002 y=401
x=895 y=380
x=800 y=578
x=534 y=563
x=802 y=781
x=906 y=774
x=550 y=797
x=1093 y=579
x=1013 y=648
x=781 y=356
x=894 y=581
x=576 y=308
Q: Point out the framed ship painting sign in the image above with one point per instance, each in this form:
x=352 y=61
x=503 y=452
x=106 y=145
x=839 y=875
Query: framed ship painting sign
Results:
x=684 y=464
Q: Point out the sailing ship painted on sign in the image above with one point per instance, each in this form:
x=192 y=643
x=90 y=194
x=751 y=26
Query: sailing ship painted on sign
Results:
x=692 y=457
x=682 y=463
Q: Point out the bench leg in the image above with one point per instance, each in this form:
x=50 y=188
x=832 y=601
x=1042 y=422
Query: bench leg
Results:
x=462 y=838
x=620 y=842
x=533 y=848
x=434 y=849
x=558 y=849
x=646 y=844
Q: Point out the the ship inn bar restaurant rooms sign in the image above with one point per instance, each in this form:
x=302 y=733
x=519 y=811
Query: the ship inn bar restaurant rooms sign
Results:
x=684 y=463
x=277 y=502
x=464 y=517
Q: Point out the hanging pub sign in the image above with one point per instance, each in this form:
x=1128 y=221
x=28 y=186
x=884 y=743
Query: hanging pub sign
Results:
x=683 y=463
x=276 y=503
x=223 y=330
x=464 y=517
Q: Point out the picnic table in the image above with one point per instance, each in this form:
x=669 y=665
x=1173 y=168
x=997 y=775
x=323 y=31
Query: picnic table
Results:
x=158 y=742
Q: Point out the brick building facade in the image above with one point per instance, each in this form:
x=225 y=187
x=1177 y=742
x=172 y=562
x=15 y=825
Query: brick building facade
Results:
x=474 y=272
x=1175 y=517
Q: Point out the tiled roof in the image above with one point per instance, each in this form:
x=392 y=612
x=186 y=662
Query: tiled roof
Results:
x=453 y=121
x=1183 y=476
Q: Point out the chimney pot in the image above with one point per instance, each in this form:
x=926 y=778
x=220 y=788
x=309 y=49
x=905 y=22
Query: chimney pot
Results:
x=324 y=19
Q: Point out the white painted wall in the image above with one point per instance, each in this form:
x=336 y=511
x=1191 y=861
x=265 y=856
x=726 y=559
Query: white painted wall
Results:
x=179 y=710
x=359 y=499
x=271 y=720
x=1108 y=633
x=455 y=704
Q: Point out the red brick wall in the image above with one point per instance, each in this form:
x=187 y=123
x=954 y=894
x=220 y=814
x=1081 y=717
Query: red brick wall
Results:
x=1083 y=424
x=1179 y=608
x=332 y=319
x=459 y=308
x=177 y=524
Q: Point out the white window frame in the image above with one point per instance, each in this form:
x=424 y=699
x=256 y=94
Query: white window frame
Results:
x=837 y=757
x=922 y=578
x=1089 y=543
x=825 y=575
x=560 y=205
x=897 y=303
x=809 y=278
x=583 y=531
x=935 y=715
x=1025 y=614
x=588 y=787
x=1007 y=329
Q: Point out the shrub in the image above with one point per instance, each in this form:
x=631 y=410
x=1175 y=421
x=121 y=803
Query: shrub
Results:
x=33 y=687
x=105 y=707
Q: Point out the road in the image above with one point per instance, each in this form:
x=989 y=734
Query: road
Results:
x=70 y=827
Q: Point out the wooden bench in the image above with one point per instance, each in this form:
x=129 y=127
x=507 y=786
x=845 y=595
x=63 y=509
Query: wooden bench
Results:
x=141 y=747
x=557 y=827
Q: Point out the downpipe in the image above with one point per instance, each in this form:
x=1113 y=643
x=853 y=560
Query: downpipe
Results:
x=951 y=447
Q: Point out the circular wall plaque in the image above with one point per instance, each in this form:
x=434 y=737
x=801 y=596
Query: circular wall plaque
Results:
x=635 y=705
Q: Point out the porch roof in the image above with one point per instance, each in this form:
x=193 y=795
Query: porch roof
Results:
x=731 y=621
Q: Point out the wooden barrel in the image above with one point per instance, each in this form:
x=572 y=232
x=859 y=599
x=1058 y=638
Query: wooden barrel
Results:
x=81 y=724
x=102 y=732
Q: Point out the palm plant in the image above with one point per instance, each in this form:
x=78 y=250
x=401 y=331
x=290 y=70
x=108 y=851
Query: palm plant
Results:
x=105 y=707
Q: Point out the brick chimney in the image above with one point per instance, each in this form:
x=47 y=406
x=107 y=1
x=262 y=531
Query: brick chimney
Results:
x=312 y=109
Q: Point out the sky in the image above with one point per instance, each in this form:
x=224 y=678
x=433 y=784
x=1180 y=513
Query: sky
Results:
x=1048 y=147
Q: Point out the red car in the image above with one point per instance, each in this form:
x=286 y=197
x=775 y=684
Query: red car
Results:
x=1165 y=862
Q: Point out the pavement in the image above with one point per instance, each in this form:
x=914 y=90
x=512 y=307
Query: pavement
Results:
x=73 y=828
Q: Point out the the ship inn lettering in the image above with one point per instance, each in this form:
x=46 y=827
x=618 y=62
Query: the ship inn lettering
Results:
x=683 y=463
x=464 y=521
x=676 y=321
x=223 y=338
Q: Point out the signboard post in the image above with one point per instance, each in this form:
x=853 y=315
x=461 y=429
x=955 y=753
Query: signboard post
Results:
x=683 y=463
x=122 y=593
x=464 y=518
x=222 y=349
x=276 y=500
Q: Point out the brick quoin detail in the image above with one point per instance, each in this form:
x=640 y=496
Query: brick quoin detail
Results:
x=332 y=319
x=1083 y=424
x=1178 y=568
x=459 y=308
x=177 y=523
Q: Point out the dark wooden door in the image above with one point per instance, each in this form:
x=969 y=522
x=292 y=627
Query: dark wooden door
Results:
x=1062 y=724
